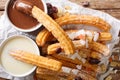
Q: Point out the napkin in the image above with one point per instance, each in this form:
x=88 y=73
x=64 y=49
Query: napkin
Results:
x=7 y=30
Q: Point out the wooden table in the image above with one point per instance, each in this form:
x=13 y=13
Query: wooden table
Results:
x=110 y=6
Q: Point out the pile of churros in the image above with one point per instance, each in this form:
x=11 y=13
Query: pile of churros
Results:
x=70 y=54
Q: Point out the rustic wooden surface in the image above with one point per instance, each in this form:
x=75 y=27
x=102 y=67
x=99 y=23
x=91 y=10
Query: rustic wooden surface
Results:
x=110 y=6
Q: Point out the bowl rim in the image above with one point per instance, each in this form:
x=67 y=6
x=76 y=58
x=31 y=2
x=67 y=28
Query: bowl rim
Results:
x=3 y=43
x=20 y=29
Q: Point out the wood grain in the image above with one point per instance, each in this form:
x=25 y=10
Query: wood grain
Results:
x=101 y=4
x=2 y=4
x=1 y=12
x=110 y=6
x=95 y=4
x=2 y=79
x=113 y=12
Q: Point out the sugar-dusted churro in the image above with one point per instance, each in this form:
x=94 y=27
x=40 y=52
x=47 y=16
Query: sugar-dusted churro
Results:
x=93 y=45
x=83 y=75
x=65 y=63
x=67 y=76
x=52 y=49
x=87 y=53
x=36 y=60
x=52 y=73
x=75 y=62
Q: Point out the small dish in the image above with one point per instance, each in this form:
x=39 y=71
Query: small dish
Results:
x=9 y=64
x=21 y=21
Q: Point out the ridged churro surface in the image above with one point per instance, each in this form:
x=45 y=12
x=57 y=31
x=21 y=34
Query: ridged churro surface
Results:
x=42 y=37
x=36 y=60
x=84 y=19
x=93 y=45
x=55 y=29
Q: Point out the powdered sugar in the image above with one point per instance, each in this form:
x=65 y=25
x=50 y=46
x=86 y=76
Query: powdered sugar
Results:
x=66 y=69
x=96 y=36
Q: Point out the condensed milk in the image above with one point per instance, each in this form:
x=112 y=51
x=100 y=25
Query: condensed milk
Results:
x=11 y=65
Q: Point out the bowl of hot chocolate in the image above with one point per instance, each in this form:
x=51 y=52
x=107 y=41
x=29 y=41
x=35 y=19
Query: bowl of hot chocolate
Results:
x=20 y=19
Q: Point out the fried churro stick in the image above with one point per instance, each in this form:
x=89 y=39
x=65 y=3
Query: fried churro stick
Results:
x=55 y=29
x=43 y=37
x=66 y=60
x=95 y=55
x=84 y=19
x=93 y=45
x=83 y=75
x=64 y=63
x=60 y=76
x=87 y=53
x=64 y=75
x=105 y=36
x=48 y=22
x=47 y=77
x=52 y=73
x=100 y=48
x=52 y=49
x=36 y=60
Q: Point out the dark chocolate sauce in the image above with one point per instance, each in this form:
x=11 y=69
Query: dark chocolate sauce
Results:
x=22 y=20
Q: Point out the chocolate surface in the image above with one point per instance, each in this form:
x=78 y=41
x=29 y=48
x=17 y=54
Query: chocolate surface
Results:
x=20 y=19
x=24 y=6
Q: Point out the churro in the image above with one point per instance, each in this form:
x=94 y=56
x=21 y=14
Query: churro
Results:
x=93 y=45
x=64 y=75
x=87 y=53
x=51 y=73
x=55 y=29
x=84 y=19
x=115 y=64
x=75 y=62
x=43 y=37
x=47 y=77
x=99 y=48
x=105 y=36
x=52 y=49
x=36 y=60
